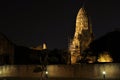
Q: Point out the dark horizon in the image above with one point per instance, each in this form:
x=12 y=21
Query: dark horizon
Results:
x=29 y=23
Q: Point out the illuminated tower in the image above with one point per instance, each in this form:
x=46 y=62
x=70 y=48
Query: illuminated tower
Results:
x=82 y=36
x=44 y=46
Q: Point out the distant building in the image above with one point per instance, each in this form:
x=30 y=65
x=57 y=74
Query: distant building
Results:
x=43 y=47
x=82 y=37
x=6 y=50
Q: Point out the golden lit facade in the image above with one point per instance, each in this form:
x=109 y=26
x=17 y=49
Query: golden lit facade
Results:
x=82 y=36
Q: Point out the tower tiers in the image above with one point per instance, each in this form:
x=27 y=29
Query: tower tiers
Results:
x=82 y=36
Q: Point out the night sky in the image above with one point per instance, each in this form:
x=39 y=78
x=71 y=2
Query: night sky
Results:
x=31 y=23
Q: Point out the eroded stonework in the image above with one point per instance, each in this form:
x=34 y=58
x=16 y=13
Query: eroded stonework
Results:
x=82 y=36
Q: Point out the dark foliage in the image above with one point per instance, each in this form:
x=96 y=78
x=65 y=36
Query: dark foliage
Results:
x=24 y=55
x=110 y=43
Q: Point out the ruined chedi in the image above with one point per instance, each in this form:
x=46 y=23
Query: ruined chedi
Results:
x=82 y=36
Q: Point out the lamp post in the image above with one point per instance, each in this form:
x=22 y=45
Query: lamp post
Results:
x=46 y=72
x=46 y=75
x=104 y=73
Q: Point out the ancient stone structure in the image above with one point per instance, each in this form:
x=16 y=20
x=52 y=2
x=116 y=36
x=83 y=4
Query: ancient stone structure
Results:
x=43 y=47
x=82 y=36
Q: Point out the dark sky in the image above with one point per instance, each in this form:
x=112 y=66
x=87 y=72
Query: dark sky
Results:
x=31 y=23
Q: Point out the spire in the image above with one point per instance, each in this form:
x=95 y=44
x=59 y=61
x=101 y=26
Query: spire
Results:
x=44 y=46
x=82 y=35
